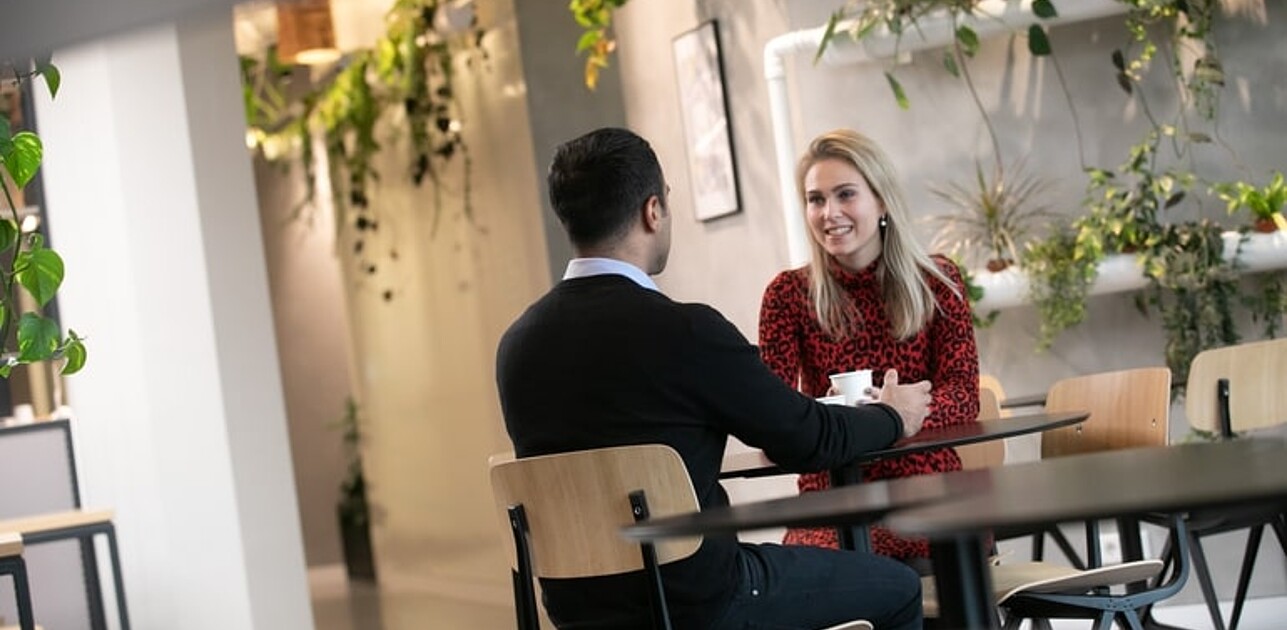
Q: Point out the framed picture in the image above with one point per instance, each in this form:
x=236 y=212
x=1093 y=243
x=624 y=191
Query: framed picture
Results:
x=705 y=107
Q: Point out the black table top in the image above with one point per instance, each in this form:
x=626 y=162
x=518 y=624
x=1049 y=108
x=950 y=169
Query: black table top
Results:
x=1107 y=484
x=1100 y=485
x=962 y=434
x=755 y=464
x=857 y=504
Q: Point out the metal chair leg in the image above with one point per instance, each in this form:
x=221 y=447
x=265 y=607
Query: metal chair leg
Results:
x=1204 y=579
x=115 y=553
x=17 y=568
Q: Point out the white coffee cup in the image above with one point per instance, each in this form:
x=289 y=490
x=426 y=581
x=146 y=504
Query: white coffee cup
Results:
x=838 y=399
x=853 y=386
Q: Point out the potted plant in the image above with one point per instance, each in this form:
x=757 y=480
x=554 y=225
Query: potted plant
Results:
x=992 y=220
x=353 y=509
x=1265 y=204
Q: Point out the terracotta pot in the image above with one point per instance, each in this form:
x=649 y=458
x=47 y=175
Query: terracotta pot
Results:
x=997 y=265
x=1266 y=225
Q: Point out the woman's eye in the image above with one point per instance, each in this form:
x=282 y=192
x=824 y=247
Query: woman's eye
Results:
x=848 y=194
x=815 y=200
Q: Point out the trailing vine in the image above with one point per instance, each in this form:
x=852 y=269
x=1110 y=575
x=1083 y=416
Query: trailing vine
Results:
x=597 y=42
x=406 y=79
x=25 y=261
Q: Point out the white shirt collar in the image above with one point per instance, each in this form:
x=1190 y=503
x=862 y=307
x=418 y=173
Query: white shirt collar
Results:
x=583 y=267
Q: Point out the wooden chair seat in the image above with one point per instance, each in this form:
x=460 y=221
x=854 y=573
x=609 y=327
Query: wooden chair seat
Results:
x=1042 y=577
x=10 y=543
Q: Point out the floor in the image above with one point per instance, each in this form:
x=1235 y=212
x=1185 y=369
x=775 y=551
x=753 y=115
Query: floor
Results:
x=338 y=606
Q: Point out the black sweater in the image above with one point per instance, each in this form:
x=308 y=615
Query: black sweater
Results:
x=601 y=361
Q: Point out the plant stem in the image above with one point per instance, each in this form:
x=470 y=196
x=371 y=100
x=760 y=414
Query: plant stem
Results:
x=7 y=300
x=974 y=94
x=1063 y=84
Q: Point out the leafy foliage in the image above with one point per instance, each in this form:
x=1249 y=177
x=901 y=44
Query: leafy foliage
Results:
x=406 y=79
x=1060 y=274
x=24 y=259
x=353 y=504
x=597 y=43
x=995 y=216
x=1264 y=203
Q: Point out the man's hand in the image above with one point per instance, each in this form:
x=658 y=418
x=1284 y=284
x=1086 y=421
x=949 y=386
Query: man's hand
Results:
x=910 y=401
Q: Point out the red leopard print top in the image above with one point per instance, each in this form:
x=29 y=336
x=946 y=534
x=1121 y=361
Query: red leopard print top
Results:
x=794 y=346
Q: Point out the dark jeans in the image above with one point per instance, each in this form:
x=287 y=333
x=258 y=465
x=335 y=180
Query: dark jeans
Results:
x=808 y=588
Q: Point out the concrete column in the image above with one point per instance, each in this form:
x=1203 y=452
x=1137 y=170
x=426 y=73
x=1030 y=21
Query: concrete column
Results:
x=180 y=420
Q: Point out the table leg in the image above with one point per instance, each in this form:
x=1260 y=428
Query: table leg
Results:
x=855 y=537
x=1128 y=531
x=964 y=584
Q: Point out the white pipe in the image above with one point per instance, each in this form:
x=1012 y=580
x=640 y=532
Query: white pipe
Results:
x=997 y=16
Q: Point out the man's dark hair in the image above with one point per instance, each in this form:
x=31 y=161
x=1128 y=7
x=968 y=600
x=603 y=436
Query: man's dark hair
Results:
x=600 y=180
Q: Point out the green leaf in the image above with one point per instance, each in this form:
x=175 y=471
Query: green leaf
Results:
x=21 y=156
x=8 y=234
x=949 y=62
x=899 y=94
x=588 y=40
x=968 y=39
x=827 y=35
x=74 y=352
x=40 y=273
x=37 y=337
x=1044 y=9
x=1038 y=43
x=1119 y=61
x=53 y=78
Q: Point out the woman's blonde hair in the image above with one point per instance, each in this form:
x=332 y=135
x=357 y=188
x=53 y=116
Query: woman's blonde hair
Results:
x=905 y=289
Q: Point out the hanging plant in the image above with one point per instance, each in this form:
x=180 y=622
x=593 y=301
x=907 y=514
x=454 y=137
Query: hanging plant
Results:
x=407 y=79
x=596 y=43
x=1194 y=289
x=25 y=261
x=1060 y=272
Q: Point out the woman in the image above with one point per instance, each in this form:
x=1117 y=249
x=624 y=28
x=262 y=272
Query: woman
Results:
x=870 y=298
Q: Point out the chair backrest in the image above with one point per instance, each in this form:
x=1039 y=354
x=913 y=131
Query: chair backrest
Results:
x=577 y=502
x=992 y=384
x=1128 y=409
x=984 y=454
x=1257 y=388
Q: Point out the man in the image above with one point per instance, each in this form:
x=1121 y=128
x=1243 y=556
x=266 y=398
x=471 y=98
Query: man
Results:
x=605 y=359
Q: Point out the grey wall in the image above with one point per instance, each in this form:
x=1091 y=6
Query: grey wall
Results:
x=312 y=335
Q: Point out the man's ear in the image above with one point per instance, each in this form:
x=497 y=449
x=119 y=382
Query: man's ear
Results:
x=653 y=213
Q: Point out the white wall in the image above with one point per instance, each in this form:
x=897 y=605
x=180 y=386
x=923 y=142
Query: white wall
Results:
x=180 y=421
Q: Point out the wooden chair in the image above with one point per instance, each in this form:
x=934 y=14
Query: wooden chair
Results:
x=1128 y=409
x=990 y=453
x=565 y=513
x=1232 y=390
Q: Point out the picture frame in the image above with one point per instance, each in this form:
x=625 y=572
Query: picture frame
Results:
x=709 y=139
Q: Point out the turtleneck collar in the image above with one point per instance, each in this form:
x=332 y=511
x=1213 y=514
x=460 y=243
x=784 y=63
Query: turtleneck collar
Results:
x=854 y=279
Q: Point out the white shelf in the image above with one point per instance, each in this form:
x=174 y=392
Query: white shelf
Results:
x=1121 y=272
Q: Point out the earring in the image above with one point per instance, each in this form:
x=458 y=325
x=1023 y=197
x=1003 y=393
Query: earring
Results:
x=884 y=221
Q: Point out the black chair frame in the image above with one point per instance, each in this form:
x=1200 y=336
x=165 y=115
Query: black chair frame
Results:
x=525 y=595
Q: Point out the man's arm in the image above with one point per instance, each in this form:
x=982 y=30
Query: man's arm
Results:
x=749 y=401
